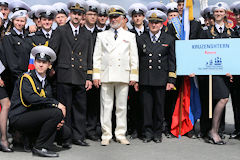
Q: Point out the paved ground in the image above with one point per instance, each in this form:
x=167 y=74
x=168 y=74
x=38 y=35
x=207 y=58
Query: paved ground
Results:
x=170 y=149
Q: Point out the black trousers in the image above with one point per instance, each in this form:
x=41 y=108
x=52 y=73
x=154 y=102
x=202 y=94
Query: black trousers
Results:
x=75 y=100
x=93 y=111
x=135 y=113
x=235 y=95
x=152 y=99
x=42 y=121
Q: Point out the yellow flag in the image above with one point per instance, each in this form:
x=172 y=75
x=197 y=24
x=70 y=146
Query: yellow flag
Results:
x=189 y=4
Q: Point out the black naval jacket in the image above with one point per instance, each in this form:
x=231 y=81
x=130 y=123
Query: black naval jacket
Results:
x=17 y=53
x=30 y=97
x=146 y=29
x=74 y=55
x=212 y=33
x=38 y=38
x=157 y=61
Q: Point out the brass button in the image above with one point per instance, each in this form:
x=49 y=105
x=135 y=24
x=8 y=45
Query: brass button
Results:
x=159 y=61
x=150 y=61
x=159 y=55
x=80 y=53
x=19 y=43
x=76 y=39
x=72 y=59
x=53 y=105
x=72 y=65
x=80 y=66
x=159 y=67
x=150 y=55
x=150 y=67
x=80 y=60
x=72 y=52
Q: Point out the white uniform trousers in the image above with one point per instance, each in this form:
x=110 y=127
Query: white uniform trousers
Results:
x=106 y=99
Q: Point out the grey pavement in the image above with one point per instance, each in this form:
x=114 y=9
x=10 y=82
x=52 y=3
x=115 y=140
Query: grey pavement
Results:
x=169 y=149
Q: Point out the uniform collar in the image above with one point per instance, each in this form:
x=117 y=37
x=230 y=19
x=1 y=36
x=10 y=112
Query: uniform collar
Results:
x=90 y=29
x=139 y=31
x=118 y=30
x=41 y=79
x=45 y=32
x=6 y=23
x=157 y=35
x=74 y=28
x=218 y=26
x=17 y=31
x=103 y=29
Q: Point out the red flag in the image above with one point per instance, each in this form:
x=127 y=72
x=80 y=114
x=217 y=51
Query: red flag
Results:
x=185 y=119
x=231 y=19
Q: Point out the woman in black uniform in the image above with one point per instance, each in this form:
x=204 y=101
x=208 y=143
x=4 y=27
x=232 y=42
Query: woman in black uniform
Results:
x=220 y=83
x=16 y=48
x=4 y=101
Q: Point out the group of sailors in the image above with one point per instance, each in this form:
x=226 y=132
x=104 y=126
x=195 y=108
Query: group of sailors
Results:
x=95 y=78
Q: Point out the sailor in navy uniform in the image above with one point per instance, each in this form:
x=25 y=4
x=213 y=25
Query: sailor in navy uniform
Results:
x=74 y=48
x=93 y=96
x=220 y=83
x=46 y=14
x=6 y=22
x=33 y=111
x=137 y=12
x=16 y=48
x=157 y=67
x=32 y=15
x=62 y=13
x=102 y=18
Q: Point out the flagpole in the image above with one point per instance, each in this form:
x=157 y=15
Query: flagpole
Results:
x=180 y=108
x=210 y=96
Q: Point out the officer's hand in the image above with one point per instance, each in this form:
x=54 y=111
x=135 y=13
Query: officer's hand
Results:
x=97 y=82
x=32 y=28
x=88 y=85
x=230 y=76
x=131 y=83
x=63 y=108
x=51 y=73
x=170 y=86
x=192 y=75
x=59 y=126
x=136 y=87
x=1 y=83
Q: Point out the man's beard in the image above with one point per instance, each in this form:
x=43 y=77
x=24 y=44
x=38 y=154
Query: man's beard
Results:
x=116 y=26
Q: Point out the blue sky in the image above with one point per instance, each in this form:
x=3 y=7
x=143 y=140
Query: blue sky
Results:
x=127 y=3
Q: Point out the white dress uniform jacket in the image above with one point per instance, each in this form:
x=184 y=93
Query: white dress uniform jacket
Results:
x=115 y=60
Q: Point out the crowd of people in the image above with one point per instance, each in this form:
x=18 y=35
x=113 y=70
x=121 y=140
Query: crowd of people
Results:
x=93 y=77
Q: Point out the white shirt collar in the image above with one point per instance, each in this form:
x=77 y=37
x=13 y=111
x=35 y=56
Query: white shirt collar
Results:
x=139 y=31
x=42 y=79
x=6 y=23
x=45 y=33
x=157 y=35
x=103 y=29
x=74 y=28
x=118 y=30
x=17 y=31
x=90 y=29
x=218 y=26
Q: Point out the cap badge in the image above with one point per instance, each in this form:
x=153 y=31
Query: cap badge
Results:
x=77 y=6
x=112 y=10
x=48 y=13
x=42 y=55
x=219 y=4
x=154 y=15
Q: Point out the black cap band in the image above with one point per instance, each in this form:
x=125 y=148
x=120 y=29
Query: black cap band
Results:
x=62 y=11
x=47 y=15
x=172 y=10
x=18 y=9
x=138 y=12
x=4 y=4
x=93 y=9
x=180 y=1
x=42 y=58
